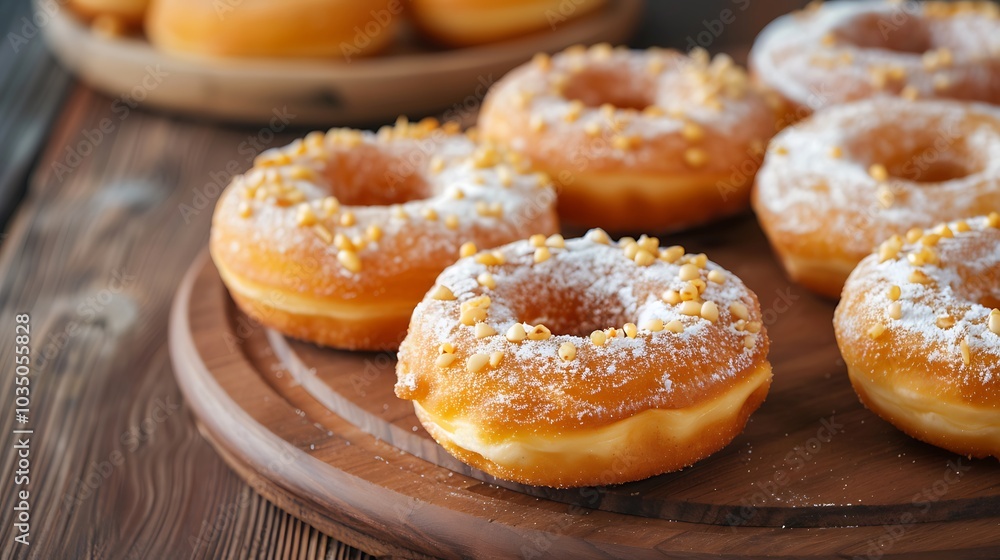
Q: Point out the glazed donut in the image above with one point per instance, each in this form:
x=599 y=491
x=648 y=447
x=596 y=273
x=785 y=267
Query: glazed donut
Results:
x=268 y=29
x=836 y=184
x=474 y=22
x=335 y=238
x=844 y=51
x=922 y=342
x=584 y=362
x=635 y=140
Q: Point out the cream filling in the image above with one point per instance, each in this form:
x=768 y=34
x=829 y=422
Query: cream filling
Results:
x=679 y=425
x=926 y=410
x=298 y=304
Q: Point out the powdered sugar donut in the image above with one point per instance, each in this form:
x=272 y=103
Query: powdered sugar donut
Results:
x=635 y=140
x=335 y=238
x=582 y=362
x=838 y=183
x=922 y=341
x=843 y=51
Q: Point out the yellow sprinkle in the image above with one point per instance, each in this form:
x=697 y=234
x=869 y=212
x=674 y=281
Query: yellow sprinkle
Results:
x=323 y=233
x=446 y=348
x=347 y=219
x=537 y=240
x=555 y=241
x=673 y=297
x=399 y=213
x=944 y=321
x=876 y=331
x=598 y=338
x=644 y=258
x=674 y=326
x=780 y=150
x=909 y=93
x=470 y=316
x=692 y=132
x=516 y=333
x=496 y=358
x=749 y=341
x=598 y=236
x=483 y=330
x=878 y=172
x=442 y=293
x=918 y=277
x=962 y=226
x=994 y=321
x=894 y=292
x=542 y=254
x=467 y=249
x=486 y=280
x=444 y=360
x=430 y=214
x=993 y=220
x=671 y=254
x=542 y=60
x=350 y=260
x=688 y=272
x=739 y=310
x=567 y=351
x=476 y=363
x=374 y=232
x=836 y=152
x=885 y=196
x=964 y=346
x=536 y=123
x=717 y=276
x=710 y=311
x=341 y=241
x=895 y=310
x=654 y=325
x=539 y=332
x=245 y=210
x=691 y=308
x=630 y=330
x=914 y=235
x=695 y=157
x=451 y=221
x=754 y=326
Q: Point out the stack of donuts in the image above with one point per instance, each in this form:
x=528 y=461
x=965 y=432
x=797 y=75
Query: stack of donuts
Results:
x=554 y=361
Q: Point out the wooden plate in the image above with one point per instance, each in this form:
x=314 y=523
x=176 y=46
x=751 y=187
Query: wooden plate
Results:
x=814 y=475
x=413 y=82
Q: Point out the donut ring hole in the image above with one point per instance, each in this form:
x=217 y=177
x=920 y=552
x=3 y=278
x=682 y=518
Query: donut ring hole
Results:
x=608 y=85
x=920 y=156
x=368 y=176
x=897 y=32
x=574 y=301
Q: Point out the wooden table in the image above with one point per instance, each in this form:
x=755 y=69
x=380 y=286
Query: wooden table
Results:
x=103 y=209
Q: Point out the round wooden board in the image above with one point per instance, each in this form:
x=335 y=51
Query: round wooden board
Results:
x=411 y=80
x=814 y=475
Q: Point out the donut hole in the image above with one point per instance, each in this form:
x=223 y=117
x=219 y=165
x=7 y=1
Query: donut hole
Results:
x=367 y=176
x=933 y=163
x=576 y=302
x=902 y=33
x=614 y=86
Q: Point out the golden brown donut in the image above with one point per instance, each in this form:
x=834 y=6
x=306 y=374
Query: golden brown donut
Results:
x=584 y=362
x=264 y=28
x=836 y=184
x=635 y=140
x=843 y=51
x=474 y=22
x=336 y=237
x=922 y=342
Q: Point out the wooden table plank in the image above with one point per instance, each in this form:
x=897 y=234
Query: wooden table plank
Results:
x=95 y=254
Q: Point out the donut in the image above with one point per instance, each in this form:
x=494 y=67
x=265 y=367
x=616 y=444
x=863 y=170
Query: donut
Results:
x=922 y=341
x=336 y=237
x=584 y=362
x=461 y=23
x=841 y=181
x=844 y=51
x=111 y=15
x=268 y=29
x=635 y=140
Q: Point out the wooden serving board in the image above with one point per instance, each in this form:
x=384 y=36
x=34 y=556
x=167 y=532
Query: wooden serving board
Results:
x=814 y=475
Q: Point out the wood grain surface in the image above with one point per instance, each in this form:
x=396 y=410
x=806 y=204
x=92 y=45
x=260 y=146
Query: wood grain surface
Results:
x=95 y=255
